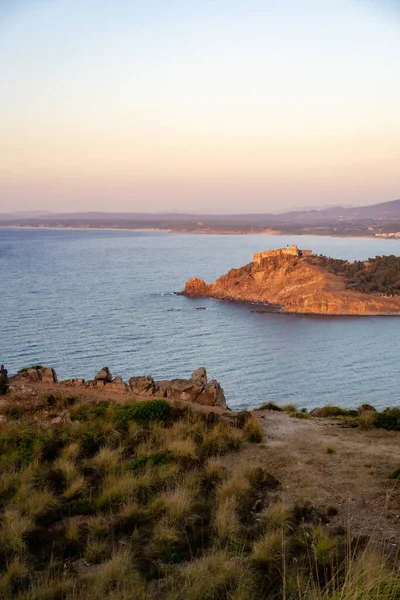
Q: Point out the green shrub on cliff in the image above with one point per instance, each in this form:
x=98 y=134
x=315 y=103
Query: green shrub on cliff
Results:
x=25 y=369
x=388 y=419
x=146 y=411
x=380 y=275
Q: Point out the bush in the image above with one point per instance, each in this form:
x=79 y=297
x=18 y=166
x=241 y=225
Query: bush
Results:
x=330 y=450
x=3 y=385
x=300 y=415
x=378 y=275
x=153 y=460
x=253 y=431
x=19 y=446
x=336 y=411
x=270 y=406
x=388 y=419
x=142 y=412
x=25 y=369
x=395 y=474
x=89 y=412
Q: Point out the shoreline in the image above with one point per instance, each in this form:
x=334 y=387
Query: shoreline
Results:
x=269 y=232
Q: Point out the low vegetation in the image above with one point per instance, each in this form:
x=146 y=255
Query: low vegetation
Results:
x=25 y=369
x=143 y=501
x=3 y=385
x=380 y=275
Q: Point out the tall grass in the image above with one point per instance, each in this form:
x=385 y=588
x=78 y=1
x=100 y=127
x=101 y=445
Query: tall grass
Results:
x=102 y=507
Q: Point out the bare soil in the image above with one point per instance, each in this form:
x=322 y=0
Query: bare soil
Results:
x=355 y=480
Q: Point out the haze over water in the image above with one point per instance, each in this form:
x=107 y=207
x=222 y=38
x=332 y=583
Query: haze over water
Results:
x=79 y=300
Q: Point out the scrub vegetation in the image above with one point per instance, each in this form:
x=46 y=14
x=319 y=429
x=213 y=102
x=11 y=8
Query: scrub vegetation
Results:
x=144 y=501
x=380 y=275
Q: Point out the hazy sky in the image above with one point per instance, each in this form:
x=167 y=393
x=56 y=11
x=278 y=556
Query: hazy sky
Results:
x=198 y=105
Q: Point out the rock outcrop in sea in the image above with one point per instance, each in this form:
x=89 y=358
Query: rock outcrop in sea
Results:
x=288 y=280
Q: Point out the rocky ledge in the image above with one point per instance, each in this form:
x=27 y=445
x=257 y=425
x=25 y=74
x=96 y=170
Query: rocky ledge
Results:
x=196 y=389
x=292 y=284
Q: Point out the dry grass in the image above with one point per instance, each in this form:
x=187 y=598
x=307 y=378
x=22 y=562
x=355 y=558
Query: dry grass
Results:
x=33 y=503
x=268 y=549
x=366 y=419
x=227 y=522
x=167 y=511
x=16 y=572
x=106 y=460
x=176 y=504
x=253 y=430
x=13 y=528
x=217 y=574
x=275 y=516
x=116 y=489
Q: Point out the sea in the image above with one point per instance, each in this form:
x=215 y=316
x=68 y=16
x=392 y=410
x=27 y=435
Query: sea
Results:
x=78 y=300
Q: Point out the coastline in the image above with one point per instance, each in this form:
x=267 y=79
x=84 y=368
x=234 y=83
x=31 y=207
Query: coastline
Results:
x=267 y=232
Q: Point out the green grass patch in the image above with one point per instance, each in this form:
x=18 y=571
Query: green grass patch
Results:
x=143 y=412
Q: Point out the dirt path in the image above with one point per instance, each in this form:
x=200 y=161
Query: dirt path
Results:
x=354 y=480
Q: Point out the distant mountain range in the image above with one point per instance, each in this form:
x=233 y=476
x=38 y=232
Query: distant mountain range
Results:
x=376 y=219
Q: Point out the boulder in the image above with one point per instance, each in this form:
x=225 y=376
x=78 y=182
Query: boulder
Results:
x=31 y=375
x=184 y=389
x=200 y=376
x=103 y=375
x=47 y=375
x=117 y=385
x=162 y=387
x=317 y=412
x=74 y=382
x=212 y=395
x=142 y=386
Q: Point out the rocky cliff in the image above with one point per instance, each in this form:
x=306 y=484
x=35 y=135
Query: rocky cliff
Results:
x=295 y=285
x=197 y=389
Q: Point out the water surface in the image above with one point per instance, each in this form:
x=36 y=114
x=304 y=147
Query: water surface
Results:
x=79 y=300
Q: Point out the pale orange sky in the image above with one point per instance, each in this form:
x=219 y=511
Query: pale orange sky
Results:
x=212 y=106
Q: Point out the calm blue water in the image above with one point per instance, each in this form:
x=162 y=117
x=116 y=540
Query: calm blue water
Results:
x=79 y=300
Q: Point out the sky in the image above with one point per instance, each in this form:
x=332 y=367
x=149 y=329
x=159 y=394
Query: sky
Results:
x=210 y=106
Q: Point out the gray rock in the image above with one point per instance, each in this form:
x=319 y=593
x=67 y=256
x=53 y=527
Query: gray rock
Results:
x=200 y=376
x=104 y=375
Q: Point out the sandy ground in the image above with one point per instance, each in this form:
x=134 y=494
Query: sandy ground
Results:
x=355 y=480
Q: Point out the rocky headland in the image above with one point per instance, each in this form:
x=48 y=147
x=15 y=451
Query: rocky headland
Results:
x=296 y=281
x=197 y=389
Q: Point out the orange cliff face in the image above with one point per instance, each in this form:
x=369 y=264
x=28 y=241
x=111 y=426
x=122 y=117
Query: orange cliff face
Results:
x=295 y=285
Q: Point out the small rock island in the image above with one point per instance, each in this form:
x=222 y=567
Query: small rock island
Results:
x=298 y=281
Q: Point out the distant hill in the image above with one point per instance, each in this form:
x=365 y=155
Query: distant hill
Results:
x=362 y=220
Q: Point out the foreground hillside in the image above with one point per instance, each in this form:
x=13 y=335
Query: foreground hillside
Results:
x=179 y=501
x=306 y=285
